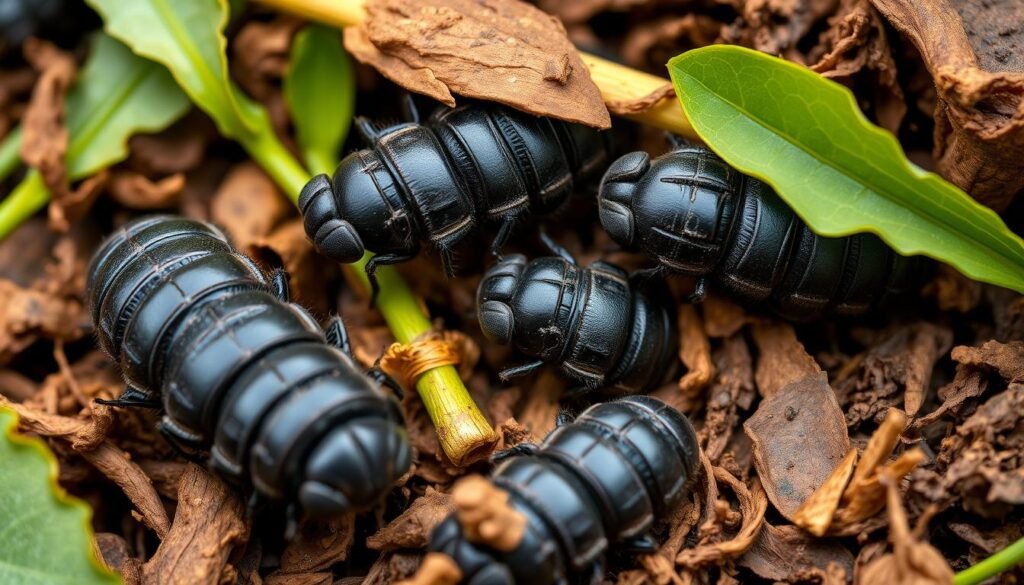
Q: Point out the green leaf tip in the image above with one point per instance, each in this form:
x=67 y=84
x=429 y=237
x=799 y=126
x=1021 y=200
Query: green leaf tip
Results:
x=320 y=91
x=805 y=136
x=45 y=534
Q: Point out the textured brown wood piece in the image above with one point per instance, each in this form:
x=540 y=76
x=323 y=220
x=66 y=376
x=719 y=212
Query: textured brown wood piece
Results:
x=501 y=50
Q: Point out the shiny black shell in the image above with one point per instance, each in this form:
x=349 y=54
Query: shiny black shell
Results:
x=591 y=322
x=239 y=371
x=696 y=215
x=436 y=182
x=600 y=480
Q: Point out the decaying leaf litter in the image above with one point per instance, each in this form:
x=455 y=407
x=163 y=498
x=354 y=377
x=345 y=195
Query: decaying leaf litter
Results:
x=880 y=450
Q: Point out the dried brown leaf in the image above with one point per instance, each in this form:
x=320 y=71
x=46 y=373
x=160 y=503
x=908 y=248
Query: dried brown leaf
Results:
x=1005 y=358
x=815 y=514
x=878 y=449
x=45 y=139
x=694 y=352
x=437 y=569
x=723 y=317
x=27 y=314
x=289 y=247
x=319 y=545
x=500 y=50
x=783 y=359
x=799 y=437
x=753 y=505
x=137 y=191
x=207 y=523
x=299 y=579
x=248 y=205
x=782 y=552
x=119 y=468
x=412 y=528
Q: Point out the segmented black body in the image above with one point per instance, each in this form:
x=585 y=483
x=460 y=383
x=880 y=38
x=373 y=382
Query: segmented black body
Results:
x=198 y=329
x=62 y=21
x=600 y=480
x=697 y=215
x=436 y=182
x=592 y=322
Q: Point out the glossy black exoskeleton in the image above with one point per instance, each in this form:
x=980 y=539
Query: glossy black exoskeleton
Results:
x=437 y=181
x=202 y=332
x=62 y=21
x=593 y=483
x=592 y=322
x=698 y=216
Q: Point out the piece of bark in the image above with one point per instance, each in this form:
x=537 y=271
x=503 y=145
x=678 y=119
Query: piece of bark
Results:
x=207 y=523
x=82 y=433
x=733 y=390
x=799 y=437
x=499 y=50
x=119 y=468
x=319 y=545
x=412 y=528
x=1007 y=359
x=299 y=579
x=783 y=359
x=979 y=134
x=780 y=552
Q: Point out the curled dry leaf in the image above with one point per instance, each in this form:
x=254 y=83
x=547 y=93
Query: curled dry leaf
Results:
x=500 y=50
x=911 y=561
x=732 y=391
x=1007 y=359
x=694 y=352
x=753 y=505
x=289 y=247
x=723 y=317
x=319 y=545
x=248 y=205
x=799 y=437
x=782 y=552
x=776 y=27
x=207 y=523
x=45 y=139
x=412 y=528
x=27 y=314
x=952 y=290
x=783 y=359
x=815 y=514
x=137 y=191
x=69 y=205
x=485 y=514
x=970 y=54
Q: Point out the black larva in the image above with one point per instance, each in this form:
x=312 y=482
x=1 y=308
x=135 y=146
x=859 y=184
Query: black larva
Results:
x=198 y=329
x=438 y=181
x=591 y=322
x=697 y=215
x=599 y=481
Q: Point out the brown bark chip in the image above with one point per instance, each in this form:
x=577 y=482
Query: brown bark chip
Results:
x=207 y=524
x=799 y=437
x=783 y=359
x=980 y=118
x=119 y=468
x=500 y=50
x=412 y=528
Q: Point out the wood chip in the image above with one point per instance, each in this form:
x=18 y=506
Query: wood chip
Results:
x=799 y=437
x=500 y=50
x=207 y=524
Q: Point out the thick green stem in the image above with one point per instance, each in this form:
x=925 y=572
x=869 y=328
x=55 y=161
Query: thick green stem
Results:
x=1003 y=560
x=463 y=431
x=10 y=153
x=25 y=200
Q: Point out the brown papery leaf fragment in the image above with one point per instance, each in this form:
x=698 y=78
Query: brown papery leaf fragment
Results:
x=119 y=468
x=437 y=569
x=27 y=314
x=815 y=514
x=780 y=552
x=970 y=53
x=694 y=352
x=878 y=449
x=799 y=437
x=753 y=505
x=45 y=139
x=723 y=317
x=299 y=579
x=207 y=523
x=412 y=528
x=912 y=562
x=1005 y=358
x=499 y=50
x=137 y=191
x=783 y=359
x=248 y=205
x=287 y=245
x=319 y=545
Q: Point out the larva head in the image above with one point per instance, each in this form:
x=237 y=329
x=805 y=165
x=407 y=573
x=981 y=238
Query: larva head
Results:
x=494 y=297
x=359 y=210
x=677 y=207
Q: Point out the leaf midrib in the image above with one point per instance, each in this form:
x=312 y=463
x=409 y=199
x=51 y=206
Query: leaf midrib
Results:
x=923 y=211
x=97 y=121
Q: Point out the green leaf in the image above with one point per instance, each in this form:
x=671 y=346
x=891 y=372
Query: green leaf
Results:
x=187 y=37
x=805 y=136
x=45 y=535
x=320 y=91
x=117 y=95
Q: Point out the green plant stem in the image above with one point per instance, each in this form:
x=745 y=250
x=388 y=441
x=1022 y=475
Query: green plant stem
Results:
x=10 y=153
x=463 y=431
x=319 y=161
x=1003 y=560
x=25 y=200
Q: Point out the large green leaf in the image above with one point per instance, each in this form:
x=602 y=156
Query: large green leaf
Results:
x=45 y=535
x=320 y=91
x=119 y=94
x=805 y=136
x=187 y=36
